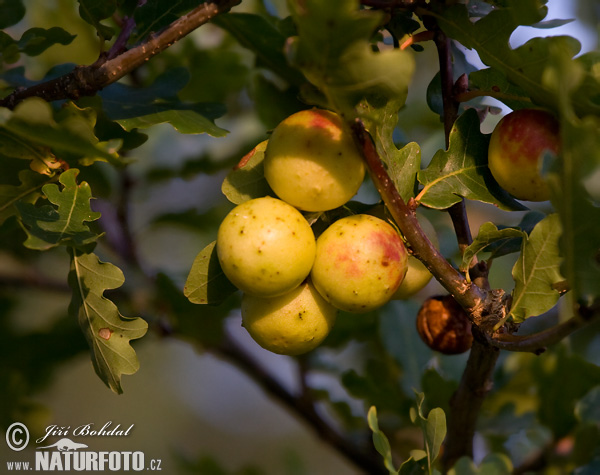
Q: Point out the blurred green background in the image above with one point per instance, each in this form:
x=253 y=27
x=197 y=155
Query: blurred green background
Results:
x=186 y=403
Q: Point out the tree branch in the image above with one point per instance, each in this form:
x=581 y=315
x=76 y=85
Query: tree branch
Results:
x=364 y=457
x=476 y=380
x=465 y=404
x=457 y=212
x=537 y=342
x=467 y=295
x=88 y=80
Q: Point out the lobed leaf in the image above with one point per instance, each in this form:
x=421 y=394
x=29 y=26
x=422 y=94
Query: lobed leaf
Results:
x=333 y=51
x=107 y=332
x=65 y=223
x=488 y=234
x=523 y=66
x=32 y=42
x=32 y=132
x=498 y=86
x=206 y=282
x=462 y=170
x=42 y=160
x=511 y=245
x=536 y=270
x=28 y=191
x=402 y=164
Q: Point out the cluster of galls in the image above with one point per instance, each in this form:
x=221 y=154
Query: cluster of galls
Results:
x=293 y=283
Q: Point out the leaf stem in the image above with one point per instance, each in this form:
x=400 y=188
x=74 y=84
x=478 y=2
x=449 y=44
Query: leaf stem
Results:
x=127 y=25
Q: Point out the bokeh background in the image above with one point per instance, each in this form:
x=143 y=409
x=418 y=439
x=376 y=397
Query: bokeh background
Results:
x=190 y=407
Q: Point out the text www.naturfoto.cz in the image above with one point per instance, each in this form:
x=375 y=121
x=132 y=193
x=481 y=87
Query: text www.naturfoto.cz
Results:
x=17 y=466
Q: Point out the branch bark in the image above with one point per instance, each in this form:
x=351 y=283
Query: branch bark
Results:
x=476 y=380
x=88 y=80
x=465 y=404
x=468 y=295
x=537 y=342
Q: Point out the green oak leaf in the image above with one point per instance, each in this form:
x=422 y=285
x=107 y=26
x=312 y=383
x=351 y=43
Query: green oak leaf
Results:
x=65 y=223
x=536 y=270
x=41 y=159
x=37 y=40
x=32 y=42
x=402 y=164
x=157 y=104
x=11 y=12
x=380 y=441
x=523 y=66
x=498 y=86
x=510 y=245
x=248 y=181
x=574 y=184
x=206 y=282
x=488 y=234
x=93 y=11
x=462 y=170
x=28 y=191
x=107 y=332
x=334 y=52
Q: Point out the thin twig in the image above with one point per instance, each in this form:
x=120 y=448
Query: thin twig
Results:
x=127 y=25
x=417 y=38
x=88 y=80
x=362 y=456
x=537 y=342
